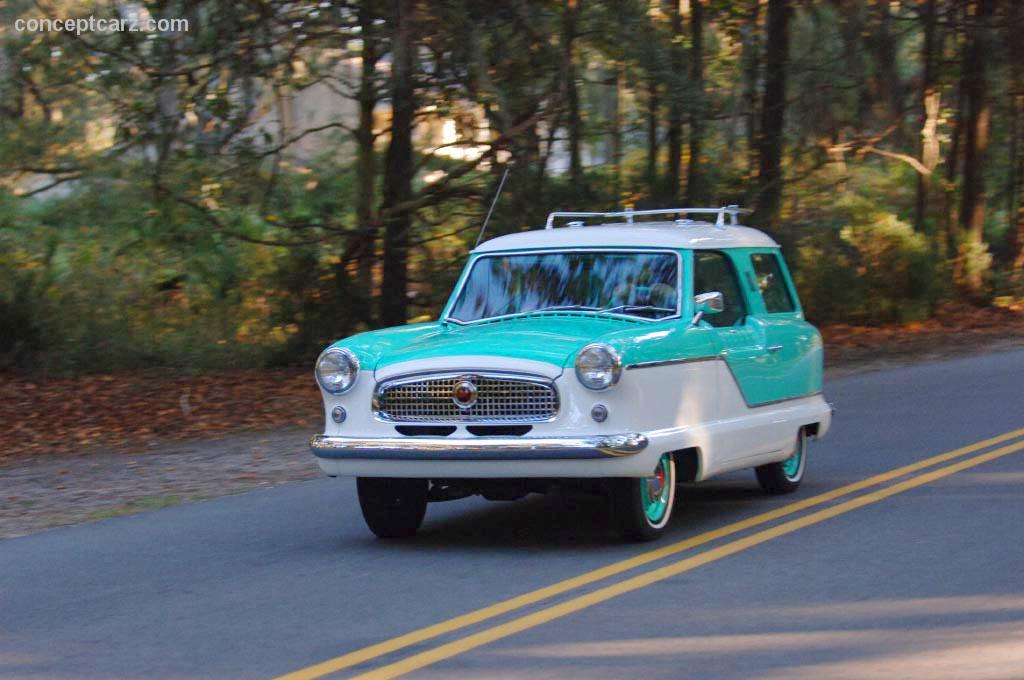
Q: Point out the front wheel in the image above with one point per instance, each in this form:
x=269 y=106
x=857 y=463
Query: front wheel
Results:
x=785 y=476
x=392 y=508
x=643 y=506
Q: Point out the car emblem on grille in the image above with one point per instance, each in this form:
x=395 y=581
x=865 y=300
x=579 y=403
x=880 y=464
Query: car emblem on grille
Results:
x=464 y=393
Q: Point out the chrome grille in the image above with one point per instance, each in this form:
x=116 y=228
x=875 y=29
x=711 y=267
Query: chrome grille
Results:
x=500 y=398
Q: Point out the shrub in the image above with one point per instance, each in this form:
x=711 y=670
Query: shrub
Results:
x=874 y=270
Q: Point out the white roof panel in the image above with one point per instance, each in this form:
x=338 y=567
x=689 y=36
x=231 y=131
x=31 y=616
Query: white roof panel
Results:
x=702 y=235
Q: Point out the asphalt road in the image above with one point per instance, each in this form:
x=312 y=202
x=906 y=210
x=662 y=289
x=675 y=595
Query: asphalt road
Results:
x=918 y=574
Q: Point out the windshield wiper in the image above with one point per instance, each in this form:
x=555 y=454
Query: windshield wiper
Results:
x=565 y=308
x=518 y=315
x=634 y=308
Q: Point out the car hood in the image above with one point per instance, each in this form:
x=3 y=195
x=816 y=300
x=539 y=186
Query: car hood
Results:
x=553 y=340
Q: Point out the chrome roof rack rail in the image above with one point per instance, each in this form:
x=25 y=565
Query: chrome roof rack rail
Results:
x=731 y=210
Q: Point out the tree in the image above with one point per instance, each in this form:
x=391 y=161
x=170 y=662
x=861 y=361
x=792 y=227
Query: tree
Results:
x=675 y=92
x=750 y=62
x=398 y=166
x=653 y=102
x=366 y=156
x=976 y=138
x=1015 y=193
x=773 y=112
x=696 y=191
x=575 y=123
x=930 y=106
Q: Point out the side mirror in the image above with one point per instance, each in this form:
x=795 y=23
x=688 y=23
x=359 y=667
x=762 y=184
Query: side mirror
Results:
x=706 y=304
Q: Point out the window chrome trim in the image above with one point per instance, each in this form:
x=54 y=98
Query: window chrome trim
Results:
x=448 y=318
x=452 y=374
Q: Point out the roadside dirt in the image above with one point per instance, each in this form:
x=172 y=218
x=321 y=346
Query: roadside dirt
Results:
x=88 y=448
x=955 y=331
x=48 y=490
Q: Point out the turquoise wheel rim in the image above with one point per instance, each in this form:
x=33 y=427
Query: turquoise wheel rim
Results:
x=656 y=491
x=791 y=466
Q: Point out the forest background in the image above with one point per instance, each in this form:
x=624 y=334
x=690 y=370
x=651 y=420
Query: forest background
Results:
x=279 y=175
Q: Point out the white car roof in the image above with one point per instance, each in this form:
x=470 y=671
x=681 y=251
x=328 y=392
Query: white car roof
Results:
x=700 y=235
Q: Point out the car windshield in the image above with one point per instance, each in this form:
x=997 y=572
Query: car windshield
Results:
x=641 y=284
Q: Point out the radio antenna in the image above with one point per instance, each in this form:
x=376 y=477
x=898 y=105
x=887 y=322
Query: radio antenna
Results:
x=494 y=202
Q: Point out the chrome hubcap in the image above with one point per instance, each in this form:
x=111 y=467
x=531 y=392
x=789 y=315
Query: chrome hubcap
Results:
x=657 y=491
x=791 y=467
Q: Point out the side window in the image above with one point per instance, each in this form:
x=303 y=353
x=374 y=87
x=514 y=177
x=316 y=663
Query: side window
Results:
x=714 y=272
x=772 y=284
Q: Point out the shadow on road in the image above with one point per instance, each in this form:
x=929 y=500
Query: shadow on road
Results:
x=556 y=520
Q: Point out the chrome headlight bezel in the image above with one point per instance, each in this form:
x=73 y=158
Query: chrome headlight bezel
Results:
x=598 y=366
x=340 y=362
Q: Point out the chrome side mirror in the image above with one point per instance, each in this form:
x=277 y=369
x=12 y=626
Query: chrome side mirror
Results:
x=706 y=304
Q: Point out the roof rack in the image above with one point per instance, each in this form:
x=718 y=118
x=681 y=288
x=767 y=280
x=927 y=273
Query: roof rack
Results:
x=731 y=210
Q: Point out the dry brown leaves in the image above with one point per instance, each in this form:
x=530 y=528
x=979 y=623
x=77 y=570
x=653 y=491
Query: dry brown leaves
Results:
x=77 y=415
x=953 y=329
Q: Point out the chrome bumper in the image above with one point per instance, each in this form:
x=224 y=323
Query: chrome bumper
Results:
x=480 y=448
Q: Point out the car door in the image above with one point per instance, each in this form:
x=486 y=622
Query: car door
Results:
x=738 y=337
x=793 y=346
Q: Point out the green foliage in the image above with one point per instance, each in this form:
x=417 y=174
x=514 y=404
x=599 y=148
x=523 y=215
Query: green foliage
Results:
x=876 y=269
x=88 y=283
x=973 y=263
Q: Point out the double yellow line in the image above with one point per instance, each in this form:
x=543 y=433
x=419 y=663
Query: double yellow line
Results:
x=553 y=612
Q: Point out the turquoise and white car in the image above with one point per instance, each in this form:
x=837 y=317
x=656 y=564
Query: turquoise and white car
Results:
x=623 y=358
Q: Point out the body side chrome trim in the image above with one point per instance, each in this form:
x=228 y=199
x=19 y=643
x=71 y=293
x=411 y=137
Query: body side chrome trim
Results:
x=669 y=362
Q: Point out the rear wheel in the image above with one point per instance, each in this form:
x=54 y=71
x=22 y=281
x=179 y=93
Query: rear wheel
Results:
x=785 y=476
x=392 y=508
x=643 y=506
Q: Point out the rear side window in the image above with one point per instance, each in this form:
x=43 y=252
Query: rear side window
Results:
x=714 y=272
x=774 y=290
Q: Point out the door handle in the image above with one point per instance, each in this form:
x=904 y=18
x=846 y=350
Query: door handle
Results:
x=773 y=348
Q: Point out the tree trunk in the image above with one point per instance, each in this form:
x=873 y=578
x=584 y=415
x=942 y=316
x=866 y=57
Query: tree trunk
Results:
x=696 y=192
x=398 y=169
x=773 y=112
x=1016 y=193
x=976 y=136
x=751 y=61
x=575 y=123
x=856 y=51
x=675 y=95
x=889 y=88
x=616 y=83
x=652 y=134
x=366 y=165
x=1018 y=231
x=930 y=102
x=953 y=158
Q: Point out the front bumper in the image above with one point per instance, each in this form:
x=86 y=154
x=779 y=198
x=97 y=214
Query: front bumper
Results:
x=480 y=448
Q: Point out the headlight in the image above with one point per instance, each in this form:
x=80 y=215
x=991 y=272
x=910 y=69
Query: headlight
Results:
x=336 y=370
x=598 y=366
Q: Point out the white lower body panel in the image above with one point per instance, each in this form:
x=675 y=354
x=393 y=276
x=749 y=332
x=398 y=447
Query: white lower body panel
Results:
x=754 y=436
